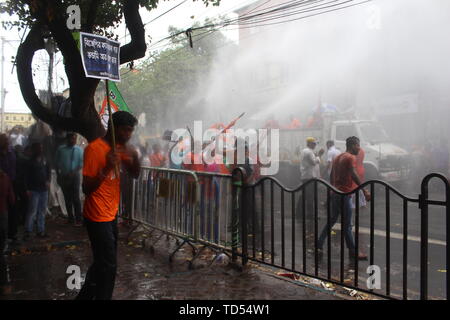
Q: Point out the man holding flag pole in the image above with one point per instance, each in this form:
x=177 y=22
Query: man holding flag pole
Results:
x=101 y=185
x=103 y=158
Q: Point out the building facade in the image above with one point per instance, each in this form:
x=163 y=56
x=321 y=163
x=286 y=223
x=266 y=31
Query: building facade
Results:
x=13 y=119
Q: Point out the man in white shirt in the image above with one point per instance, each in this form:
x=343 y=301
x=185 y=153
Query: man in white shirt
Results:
x=332 y=153
x=309 y=164
x=16 y=138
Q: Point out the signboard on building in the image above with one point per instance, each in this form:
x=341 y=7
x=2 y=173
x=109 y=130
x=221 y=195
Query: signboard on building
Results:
x=100 y=56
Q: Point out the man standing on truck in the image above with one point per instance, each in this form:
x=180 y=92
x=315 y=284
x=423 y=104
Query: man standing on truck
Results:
x=344 y=177
x=309 y=169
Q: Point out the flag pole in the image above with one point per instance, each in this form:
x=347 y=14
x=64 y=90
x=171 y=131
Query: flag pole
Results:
x=232 y=123
x=113 y=134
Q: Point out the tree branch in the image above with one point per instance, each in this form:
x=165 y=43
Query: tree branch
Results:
x=25 y=53
x=136 y=48
x=93 y=8
x=66 y=43
x=82 y=89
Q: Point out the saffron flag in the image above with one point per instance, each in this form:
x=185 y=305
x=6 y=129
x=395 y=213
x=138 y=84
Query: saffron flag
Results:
x=116 y=102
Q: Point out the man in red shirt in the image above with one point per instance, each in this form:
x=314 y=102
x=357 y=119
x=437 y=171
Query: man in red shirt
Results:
x=344 y=177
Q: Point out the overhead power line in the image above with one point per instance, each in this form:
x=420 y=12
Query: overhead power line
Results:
x=277 y=12
x=231 y=21
x=308 y=7
x=164 y=13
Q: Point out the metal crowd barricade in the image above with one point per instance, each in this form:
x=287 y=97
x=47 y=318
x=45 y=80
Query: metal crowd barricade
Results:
x=284 y=230
x=215 y=209
x=192 y=206
x=278 y=226
x=166 y=200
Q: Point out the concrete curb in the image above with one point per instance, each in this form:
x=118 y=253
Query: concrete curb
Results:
x=334 y=292
x=307 y=285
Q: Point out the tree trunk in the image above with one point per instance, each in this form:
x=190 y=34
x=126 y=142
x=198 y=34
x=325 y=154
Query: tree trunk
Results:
x=85 y=119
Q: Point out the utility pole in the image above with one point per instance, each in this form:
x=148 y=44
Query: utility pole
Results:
x=50 y=47
x=3 y=91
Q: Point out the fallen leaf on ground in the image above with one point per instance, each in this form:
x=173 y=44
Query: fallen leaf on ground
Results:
x=348 y=281
x=328 y=286
x=363 y=296
x=289 y=275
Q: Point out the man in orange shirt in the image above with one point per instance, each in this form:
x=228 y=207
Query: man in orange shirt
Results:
x=294 y=123
x=194 y=159
x=157 y=158
x=345 y=178
x=101 y=185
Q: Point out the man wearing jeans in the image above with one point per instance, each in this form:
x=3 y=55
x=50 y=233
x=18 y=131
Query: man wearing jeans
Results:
x=344 y=177
x=69 y=161
x=37 y=181
x=101 y=184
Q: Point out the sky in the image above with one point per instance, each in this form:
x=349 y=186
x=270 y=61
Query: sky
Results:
x=183 y=16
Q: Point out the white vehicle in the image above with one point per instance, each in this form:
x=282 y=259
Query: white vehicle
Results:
x=383 y=159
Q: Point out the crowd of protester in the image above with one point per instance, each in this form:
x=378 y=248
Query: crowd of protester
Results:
x=27 y=162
